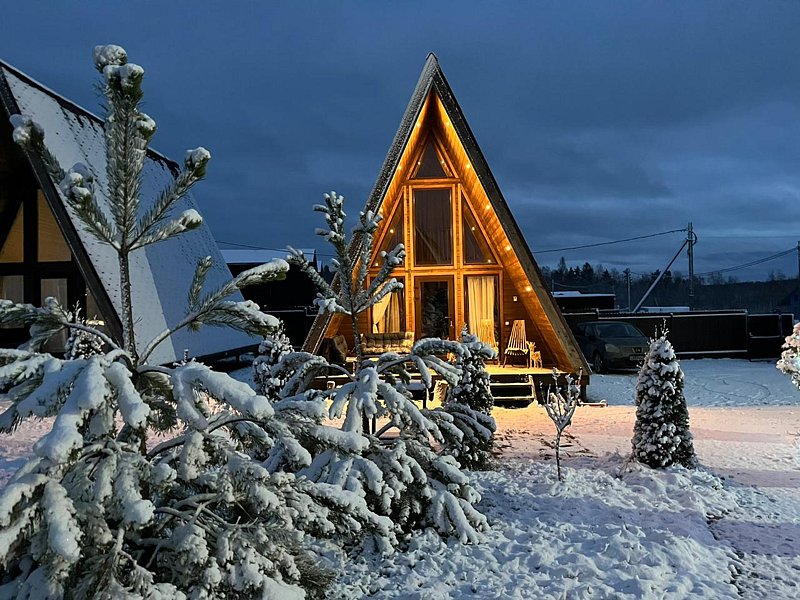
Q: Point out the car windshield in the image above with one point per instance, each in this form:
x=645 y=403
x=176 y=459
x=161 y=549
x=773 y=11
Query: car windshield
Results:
x=617 y=330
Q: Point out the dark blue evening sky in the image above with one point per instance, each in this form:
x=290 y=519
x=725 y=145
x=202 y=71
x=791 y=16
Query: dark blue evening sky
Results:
x=600 y=120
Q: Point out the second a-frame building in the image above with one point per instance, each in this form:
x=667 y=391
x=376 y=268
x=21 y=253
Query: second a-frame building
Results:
x=467 y=260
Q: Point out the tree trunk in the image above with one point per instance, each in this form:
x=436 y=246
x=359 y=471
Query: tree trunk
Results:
x=129 y=340
x=365 y=424
x=558 y=456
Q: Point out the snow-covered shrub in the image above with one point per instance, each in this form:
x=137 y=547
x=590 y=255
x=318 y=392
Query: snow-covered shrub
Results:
x=789 y=362
x=465 y=415
x=560 y=404
x=101 y=512
x=402 y=477
x=661 y=435
x=270 y=353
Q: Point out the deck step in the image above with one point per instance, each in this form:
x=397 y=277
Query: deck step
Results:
x=514 y=399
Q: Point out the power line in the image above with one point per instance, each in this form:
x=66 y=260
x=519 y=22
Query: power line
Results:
x=252 y=247
x=751 y=263
x=638 y=237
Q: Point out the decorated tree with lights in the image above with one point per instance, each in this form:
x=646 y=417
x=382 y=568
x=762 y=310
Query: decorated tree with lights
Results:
x=789 y=362
x=661 y=435
x=214 y=509
x=403 y=478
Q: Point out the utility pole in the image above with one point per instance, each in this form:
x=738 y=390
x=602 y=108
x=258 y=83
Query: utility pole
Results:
x=628 y=281
x=798 y=262
x=690 y=255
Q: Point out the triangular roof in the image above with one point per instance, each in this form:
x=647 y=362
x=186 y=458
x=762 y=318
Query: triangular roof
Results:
x=432 y=81
x=161 y=273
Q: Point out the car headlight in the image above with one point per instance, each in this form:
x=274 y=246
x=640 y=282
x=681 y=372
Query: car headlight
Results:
x=611 y=348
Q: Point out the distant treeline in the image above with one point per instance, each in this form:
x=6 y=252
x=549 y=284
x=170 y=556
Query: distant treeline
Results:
x=714 y=292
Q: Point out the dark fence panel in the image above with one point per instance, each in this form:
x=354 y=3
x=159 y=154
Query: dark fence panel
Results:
x=734 y=334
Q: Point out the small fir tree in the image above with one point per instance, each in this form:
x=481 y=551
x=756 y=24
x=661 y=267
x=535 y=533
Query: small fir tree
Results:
x=661 y=435
x=469 y=403
x=270 y=353
x=789 y=362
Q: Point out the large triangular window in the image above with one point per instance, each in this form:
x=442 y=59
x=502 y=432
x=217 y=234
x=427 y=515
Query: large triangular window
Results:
x=476 y=248
x=430 y=165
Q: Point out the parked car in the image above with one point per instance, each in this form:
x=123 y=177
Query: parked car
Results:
x=611 y=344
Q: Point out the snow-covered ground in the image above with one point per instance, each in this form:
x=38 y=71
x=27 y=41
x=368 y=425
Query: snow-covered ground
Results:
x=614 y=529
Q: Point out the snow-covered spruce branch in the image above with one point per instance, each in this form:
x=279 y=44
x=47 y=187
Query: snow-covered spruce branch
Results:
x=30 y=136
x=147 y=230
x=77 y=186
x=214 y=309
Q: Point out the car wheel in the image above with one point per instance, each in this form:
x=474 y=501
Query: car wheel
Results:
x=598 y=363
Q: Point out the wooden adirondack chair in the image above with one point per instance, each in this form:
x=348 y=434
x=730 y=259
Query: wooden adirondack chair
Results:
x=518 y=344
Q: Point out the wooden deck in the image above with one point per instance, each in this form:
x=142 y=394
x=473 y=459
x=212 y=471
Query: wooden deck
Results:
x=512 y=385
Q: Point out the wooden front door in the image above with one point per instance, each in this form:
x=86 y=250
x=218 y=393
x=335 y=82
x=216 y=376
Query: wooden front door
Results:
x=433 y=300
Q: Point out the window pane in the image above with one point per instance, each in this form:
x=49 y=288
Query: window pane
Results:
x=55 y=288
x=476 y=249
x=435 y=309
x=393 y=236
x=389 y=315
x=52 y=245
x=483 y=308
x=11 y=288
x=433 y=240
x=11 y=251
x=429 y=164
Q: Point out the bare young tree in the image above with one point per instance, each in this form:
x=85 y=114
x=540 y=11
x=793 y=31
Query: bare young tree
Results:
x=560 y=404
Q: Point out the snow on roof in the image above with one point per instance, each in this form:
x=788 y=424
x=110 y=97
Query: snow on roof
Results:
x=237 y=256
x=161 y=273
x=577 y=294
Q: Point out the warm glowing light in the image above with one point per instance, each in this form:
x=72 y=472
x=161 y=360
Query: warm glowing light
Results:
x=488 y=205
x=391 y=231
x=488 y=260
x=469 y=166
x=528 y=288
x=375 y=265
x=473 y=228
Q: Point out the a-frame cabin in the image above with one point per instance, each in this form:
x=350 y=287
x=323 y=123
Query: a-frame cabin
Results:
x=467 y=261
x=46 y=251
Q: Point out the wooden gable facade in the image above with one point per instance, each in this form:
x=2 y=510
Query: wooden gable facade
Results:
x=467 y=261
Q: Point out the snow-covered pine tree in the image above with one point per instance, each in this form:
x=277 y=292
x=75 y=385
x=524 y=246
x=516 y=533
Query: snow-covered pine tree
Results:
x=560 y=404
x=661 y=435
x=789 y=362
x=99 y=512
x=270 y=353
x=468 y=436
x=403 y=478
x=81 y=343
